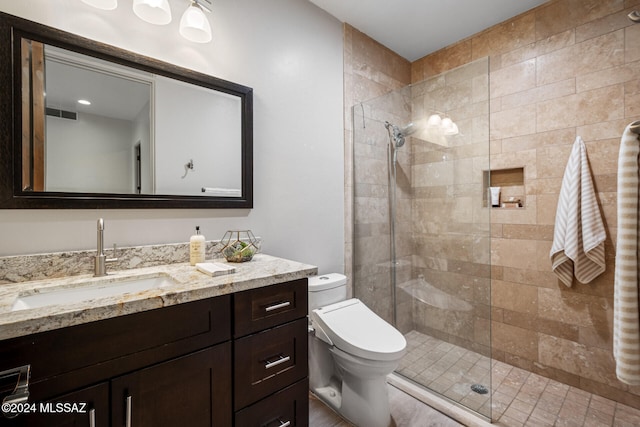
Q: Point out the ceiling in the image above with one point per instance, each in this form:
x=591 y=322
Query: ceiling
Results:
x=416 y=28
x=114 y=91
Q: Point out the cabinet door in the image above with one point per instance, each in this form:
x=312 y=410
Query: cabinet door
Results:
x=88 y=407
x=193 y=390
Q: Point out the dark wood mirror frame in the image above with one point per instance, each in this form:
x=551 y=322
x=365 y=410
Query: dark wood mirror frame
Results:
x=12 y=31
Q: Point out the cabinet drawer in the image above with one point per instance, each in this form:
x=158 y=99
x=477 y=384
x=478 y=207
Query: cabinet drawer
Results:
x=262 y=308
x=269 y=361
x=290 y=405
x=69 y=358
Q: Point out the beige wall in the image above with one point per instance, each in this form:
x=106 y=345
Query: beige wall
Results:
x=567 y=68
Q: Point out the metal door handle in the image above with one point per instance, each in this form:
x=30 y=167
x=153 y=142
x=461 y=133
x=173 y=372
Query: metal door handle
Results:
x=283 y=359
x=92 y=418
x=277 y=306
x=128 y=415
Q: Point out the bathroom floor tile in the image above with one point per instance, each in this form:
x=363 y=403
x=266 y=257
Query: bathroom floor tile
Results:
x=321 y=415
x=519 y=398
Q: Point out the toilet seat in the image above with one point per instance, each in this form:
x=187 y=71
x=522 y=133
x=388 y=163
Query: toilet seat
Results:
x=355 y=329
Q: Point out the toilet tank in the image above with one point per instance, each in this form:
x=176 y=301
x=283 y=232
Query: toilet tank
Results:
x=326 y=289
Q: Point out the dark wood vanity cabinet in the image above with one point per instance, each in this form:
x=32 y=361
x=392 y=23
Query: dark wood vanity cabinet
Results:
x=237 y=359
x=154 y=367
x=271 y=383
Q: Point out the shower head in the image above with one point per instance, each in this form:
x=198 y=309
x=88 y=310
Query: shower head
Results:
x=399 y=134
x=634 y=16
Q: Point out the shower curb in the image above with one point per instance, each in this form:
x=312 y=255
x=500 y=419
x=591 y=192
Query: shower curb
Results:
x=449 y=409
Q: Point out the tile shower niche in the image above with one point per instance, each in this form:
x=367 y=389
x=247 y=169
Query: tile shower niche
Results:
x=511 y=183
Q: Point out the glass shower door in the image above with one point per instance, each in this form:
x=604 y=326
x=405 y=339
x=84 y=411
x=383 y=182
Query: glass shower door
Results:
x=437 y=287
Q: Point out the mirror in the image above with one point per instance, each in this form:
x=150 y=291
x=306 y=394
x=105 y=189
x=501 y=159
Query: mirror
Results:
x=95 y=126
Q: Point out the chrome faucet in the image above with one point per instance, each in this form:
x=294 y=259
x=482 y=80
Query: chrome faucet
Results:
x=101 y=259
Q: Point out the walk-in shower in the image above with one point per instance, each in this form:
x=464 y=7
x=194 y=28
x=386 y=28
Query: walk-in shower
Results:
x=421 y=228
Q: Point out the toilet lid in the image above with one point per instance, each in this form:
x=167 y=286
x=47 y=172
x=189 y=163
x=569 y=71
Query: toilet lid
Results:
x=355 y=329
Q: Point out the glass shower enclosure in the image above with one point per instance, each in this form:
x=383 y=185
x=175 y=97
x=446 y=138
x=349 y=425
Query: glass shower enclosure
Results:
x=421 y=252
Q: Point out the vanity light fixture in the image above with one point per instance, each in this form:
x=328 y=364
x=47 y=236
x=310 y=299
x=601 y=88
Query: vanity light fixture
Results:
x=194 y=25
x=102 y=4
x=155 y=12
x=445 y=125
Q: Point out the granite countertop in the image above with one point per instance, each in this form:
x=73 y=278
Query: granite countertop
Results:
x=191 y=285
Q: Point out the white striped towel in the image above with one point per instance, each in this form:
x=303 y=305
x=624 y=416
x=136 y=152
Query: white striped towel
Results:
x=579 y=234
x=626 y=323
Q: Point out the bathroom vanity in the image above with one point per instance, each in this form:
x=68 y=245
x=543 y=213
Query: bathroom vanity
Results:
x=200 y=351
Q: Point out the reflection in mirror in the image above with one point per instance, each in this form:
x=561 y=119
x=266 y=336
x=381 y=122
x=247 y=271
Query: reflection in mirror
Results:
x=87 y=125
x=102 y=134
x=209 y=139
x=96 y=117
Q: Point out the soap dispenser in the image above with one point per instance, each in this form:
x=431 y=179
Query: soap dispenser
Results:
x=197 y=247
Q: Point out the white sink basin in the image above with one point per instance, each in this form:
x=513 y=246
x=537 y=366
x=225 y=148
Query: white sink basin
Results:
x=89 y=291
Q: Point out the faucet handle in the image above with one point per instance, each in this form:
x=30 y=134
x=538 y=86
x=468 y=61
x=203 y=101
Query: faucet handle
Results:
x=115 y=254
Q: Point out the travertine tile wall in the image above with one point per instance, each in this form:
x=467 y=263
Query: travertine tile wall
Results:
x=371 y=70
x=449 y=223
x=372 y=258
x=566 y=68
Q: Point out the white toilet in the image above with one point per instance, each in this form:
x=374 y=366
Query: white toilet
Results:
x=351 y=351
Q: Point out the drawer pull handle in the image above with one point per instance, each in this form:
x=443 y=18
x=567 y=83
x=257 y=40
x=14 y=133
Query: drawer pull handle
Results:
x=277 y=306
x=128 y=416
x=282 y=423
x=283 y=359
x=92 y=418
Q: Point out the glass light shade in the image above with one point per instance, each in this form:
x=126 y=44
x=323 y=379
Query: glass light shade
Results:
x=434 y=120
x=153 y=11
x=448 y=127
x=194 y=25
x=102 y=4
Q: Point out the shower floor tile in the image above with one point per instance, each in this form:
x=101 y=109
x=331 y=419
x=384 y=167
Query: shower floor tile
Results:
x=520 y=398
